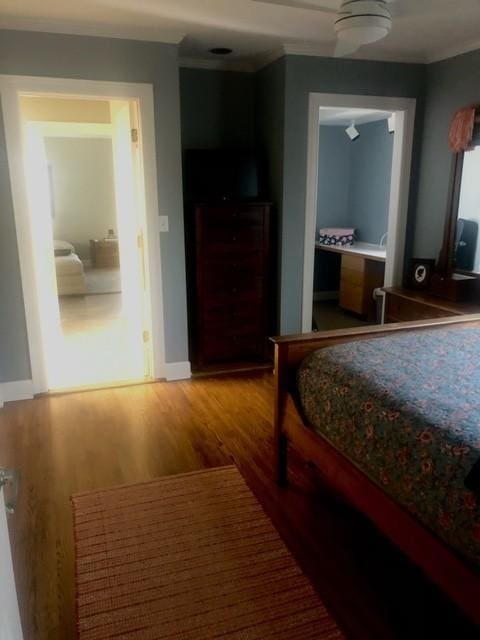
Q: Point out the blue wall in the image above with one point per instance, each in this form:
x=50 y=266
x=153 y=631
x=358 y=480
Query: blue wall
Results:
x=270 y=125
x=334 y=167
x=325 y=75
x=451 y=84
x=66 y=56
x=369 y=186
x=354 y=179
x=353 y=189
x=217 y=109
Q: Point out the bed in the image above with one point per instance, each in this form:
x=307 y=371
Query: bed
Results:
x=69 y=270
x=381 y=413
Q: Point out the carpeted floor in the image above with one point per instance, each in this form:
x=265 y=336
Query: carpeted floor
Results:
x=103 y=281
x=191 y=556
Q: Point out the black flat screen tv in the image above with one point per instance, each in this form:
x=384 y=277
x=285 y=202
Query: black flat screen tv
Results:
x=220 y=175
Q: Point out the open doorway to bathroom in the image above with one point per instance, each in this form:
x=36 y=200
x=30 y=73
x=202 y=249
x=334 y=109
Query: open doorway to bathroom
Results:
x=358 y=174
x=84 y=187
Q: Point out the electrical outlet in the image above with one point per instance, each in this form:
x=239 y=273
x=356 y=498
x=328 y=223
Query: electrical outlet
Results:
x=163 y=223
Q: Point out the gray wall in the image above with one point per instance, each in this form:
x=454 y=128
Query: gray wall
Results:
x=353 y=189
x=451 y=84
x=14 y=357
x=270 y=125
x=369 y=186
x=334 y=166
x=41 y=54
x=217 y=109
x=327 y=75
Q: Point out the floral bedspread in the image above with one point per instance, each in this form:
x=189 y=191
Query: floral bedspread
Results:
x=406 y=411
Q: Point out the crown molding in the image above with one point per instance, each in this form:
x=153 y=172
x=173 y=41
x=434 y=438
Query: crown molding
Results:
x=124 y=32
x=211 y=64
x=264 y=59
x=452 y=52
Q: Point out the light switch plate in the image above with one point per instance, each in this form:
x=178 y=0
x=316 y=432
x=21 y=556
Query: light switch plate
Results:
x=163 y=223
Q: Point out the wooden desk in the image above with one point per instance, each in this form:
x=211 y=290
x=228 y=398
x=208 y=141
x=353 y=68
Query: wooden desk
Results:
x=404 y=305
x=362 y=271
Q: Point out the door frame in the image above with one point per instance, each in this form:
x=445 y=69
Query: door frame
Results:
x=404 y=109
x=11 y=88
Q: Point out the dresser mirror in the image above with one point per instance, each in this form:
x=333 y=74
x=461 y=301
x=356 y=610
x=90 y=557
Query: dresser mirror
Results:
x=461 y=244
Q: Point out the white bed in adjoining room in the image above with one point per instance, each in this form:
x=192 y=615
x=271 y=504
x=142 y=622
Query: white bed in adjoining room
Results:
x=69 y=270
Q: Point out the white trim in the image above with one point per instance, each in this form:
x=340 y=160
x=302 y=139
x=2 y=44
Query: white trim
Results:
x=451 y=52
x=74 y=129
x=18 y=390
x=10 y=89
x=177 y=371
x=124 y=32
x=326 y=51
x=404 y=109
x=244 y=65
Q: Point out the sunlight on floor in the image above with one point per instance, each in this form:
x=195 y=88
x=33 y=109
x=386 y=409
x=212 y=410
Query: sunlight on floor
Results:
x=96 y=345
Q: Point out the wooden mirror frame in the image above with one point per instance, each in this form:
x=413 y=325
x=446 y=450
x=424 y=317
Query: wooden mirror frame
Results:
x=446 y=259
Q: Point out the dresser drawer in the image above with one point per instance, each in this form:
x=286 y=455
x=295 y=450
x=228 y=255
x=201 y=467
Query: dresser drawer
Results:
x=233 y=345
x=230 y=239
x=236 y=274
x=237 y=216
x=243 y=313
x=224 y=284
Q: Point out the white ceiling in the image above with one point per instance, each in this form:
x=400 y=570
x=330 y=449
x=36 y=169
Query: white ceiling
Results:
x=424 y=30
x=336 y=116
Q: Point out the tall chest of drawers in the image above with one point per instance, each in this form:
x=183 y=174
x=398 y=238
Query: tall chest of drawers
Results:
x=230 y=281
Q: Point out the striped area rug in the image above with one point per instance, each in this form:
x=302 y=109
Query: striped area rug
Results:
x=188 y=557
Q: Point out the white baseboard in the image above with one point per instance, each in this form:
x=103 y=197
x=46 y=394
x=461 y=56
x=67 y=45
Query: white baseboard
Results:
x=321 y=296
x=18 y=390
x=178 y=370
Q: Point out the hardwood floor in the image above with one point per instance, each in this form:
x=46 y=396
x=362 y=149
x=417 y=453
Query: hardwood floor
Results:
x=69 y=443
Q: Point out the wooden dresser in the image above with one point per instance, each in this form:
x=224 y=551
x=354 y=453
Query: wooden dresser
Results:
x=402 y=305
x=230 y=268
x=104 y=253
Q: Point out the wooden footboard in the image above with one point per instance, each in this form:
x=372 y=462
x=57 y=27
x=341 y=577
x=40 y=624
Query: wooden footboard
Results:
x=457 y=579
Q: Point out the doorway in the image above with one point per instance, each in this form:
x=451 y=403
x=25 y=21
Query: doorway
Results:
x=82 y=191
x=84 y=199
x=358 y=174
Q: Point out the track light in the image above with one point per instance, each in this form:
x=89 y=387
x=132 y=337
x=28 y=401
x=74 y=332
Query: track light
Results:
x=391 y=124
x=352 y=132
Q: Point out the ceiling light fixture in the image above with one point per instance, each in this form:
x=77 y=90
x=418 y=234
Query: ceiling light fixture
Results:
x=220 y=51
x=361 y=22
x=352 y=132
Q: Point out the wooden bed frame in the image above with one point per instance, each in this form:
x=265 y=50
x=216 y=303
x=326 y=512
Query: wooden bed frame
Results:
x=443 y=567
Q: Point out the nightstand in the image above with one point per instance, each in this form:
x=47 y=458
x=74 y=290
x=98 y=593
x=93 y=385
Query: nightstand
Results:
x=104 y=253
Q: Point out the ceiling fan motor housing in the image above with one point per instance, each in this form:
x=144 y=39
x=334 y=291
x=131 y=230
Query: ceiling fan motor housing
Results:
x=363 y=21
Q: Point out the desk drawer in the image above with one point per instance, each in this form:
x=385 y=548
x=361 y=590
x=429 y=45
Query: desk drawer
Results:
x=353 y=277
x=354 y=263
x=352 y=297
